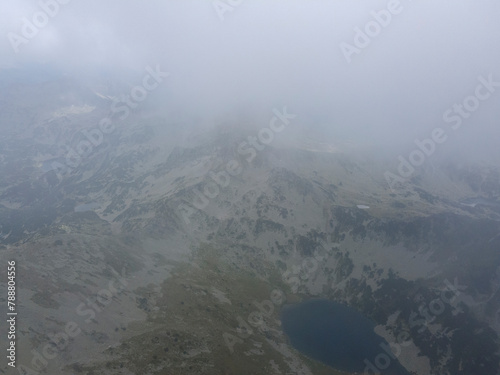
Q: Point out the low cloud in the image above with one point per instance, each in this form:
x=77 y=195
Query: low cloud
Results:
x=266 y=53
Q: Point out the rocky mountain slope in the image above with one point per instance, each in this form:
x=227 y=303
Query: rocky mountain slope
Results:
x=164 y=249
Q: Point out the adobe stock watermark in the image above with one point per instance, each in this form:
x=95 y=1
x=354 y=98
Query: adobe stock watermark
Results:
x=455 y=116
x=59 y=341
x=248 y=149
x=120 y=110
x=31 y=26
x=372 y=29
x=427 y=313
x=221 y=7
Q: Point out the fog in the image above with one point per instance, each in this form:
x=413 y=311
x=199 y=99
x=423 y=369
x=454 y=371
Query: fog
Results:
x=255 y=55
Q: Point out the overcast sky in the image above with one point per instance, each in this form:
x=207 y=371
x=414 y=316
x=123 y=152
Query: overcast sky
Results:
x=265 y=54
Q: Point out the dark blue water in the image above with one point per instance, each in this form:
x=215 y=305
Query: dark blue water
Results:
x=338 y=336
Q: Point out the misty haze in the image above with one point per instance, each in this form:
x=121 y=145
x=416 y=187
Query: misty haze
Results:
x=224 y=187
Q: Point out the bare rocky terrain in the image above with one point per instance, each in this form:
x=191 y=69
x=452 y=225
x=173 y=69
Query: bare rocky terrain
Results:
x=158 y=264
